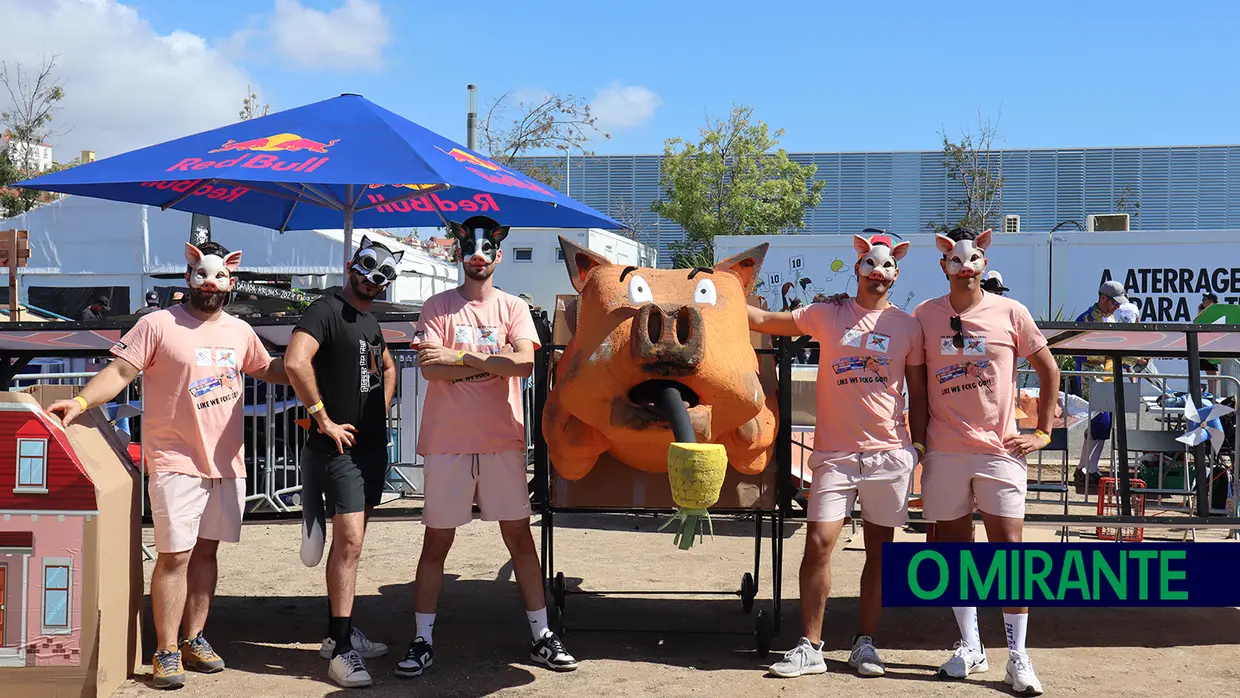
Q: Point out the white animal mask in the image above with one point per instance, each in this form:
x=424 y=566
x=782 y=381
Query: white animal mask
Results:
x=376 y=262
x=878 y=259
x=211 y=272
x=964 y=258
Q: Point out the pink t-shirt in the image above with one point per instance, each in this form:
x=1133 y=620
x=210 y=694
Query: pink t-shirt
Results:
x=861 y=360
x=192 y=389
x=485 y=413
x=972 y=390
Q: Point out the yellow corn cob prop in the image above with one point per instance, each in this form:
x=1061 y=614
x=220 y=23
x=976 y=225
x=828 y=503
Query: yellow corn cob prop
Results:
x=695 y=472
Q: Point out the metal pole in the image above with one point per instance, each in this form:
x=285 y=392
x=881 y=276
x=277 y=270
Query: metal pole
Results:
x=348 y=232
x=471 y=119
x=1120 y=422
x=1199 y=451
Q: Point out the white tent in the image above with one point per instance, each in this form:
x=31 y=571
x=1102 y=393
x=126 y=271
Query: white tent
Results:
x=87 y=242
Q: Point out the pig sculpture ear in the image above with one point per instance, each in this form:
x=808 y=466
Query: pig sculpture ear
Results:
x=745 y=265
x=579 y=261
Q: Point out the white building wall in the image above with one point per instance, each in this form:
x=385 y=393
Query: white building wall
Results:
x=533 y=263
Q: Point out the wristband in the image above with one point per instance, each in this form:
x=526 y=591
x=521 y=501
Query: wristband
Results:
x=1046 y=438
x=316 y=407
x=81 y=401
x=460 y=358
x=920 y=449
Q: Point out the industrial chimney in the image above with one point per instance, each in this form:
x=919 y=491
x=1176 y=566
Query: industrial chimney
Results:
x=471 y=119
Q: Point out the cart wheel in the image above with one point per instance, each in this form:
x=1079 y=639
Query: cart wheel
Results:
x=764 y=633
x=749 y=591
x=557 y=590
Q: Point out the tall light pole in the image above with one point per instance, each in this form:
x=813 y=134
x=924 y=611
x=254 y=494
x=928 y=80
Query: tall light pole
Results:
x=471 y=119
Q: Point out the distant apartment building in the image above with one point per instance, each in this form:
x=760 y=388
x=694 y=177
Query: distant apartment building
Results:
x=37 y=156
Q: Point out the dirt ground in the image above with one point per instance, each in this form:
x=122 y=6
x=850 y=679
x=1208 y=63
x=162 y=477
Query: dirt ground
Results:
x=270 y=615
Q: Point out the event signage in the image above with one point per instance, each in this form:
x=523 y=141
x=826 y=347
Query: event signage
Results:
x=266 y=291
x=1060 y=574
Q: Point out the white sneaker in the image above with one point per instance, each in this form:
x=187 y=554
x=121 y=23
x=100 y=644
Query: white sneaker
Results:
x=800 y=660
x=964 y=661
x=349 y=670
x=865 y=659
x=1020 y=675
x=366 y=647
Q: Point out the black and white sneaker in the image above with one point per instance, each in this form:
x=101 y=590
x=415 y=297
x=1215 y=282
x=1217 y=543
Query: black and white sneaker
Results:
x=550 y=652
x=417 y=660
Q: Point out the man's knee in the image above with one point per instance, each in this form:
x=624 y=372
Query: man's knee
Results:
x=518 y=537
x=173 y=563
x=820 y=539
x=436 y=542
x=348 y=531
x=206 y=549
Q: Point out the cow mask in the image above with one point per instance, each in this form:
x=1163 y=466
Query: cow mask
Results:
x=478 y=240
x=964 y=258
x=375 y=262
x=878 y=258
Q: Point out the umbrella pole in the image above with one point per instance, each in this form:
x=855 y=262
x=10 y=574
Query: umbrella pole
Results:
x=348 y=232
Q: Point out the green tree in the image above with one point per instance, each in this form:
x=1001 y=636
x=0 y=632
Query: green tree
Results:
x=975 y=167
x=514 y=127
x=732 y=183
x=250 y=108
x=28 y=121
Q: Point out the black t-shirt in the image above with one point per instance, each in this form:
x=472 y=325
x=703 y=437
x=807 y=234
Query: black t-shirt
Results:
x=348 y=368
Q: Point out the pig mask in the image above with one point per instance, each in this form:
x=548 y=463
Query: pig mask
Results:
x=478 y=240
x=965 y=258
x=211 y=273
x=879 y=260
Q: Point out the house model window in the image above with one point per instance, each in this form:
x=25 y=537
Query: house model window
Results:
x=31 y=466
x=56 y=585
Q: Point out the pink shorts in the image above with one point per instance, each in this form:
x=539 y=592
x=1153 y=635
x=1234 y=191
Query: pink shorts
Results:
x=185 y=508
x=880 y=478
x=954 y=483
x=454 y=482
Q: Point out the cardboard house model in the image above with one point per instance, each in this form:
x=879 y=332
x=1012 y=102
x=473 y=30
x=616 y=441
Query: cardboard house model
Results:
x=70 y=567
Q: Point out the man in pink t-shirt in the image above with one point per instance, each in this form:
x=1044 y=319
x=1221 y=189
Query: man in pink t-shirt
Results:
x=862 y=448
x=975 y=455
x=192 y=358
x=475 y=344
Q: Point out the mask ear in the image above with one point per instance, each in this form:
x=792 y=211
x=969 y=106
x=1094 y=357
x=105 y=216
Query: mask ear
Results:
x=233 y=261
x=861 y=245
x=458 y=231
x=945 y=244
x=745 y=265
x=579 y=261
x=499 y=234
x=193 y=255
x=983 y=241
x=365 y=242
x=397 y=256
x=900 y=250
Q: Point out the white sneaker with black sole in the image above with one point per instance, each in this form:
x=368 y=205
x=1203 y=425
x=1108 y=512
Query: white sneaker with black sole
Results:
x=417 y=659
x=366 y=647
x=548 y=651
x=964 y=661
x=349 y=670
x=1020 y=675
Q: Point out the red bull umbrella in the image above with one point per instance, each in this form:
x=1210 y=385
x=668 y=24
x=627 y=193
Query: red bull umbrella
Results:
x=341 y=162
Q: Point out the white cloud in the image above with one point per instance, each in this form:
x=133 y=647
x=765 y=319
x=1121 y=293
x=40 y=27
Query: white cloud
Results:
x=126 y=86
x=350 y=37
x=624 y=106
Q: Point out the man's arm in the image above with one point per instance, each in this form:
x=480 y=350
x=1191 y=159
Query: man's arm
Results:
x=918 y=403
x=389 y=379
x=299 y=367
x=769 y=322
x=513 y=364
x=1044 y=365
x=276 y=372
x=435 y=372
x=105 y=385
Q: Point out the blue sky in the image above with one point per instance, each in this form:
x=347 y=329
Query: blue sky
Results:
x=835 y=76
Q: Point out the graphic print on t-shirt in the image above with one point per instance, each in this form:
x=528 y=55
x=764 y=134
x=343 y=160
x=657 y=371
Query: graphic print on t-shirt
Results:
x=968 y=369
x=369 y=360
x=870 y=364
x=852 y=338
x=878 y=342
x=227 y=379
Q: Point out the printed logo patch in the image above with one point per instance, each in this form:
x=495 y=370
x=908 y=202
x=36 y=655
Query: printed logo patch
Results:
x=487 y=336
x=202 y=387
x=946 y=348
x=975 y=346
x=852 y=338
x=870 y=364
x=120 y=345
x=878 y=342
x=973 y=369
x=226 y=357
x=202 y=357
x=463 y=334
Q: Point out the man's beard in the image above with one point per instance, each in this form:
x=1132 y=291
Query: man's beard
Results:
x=359 y=288
x=479 y=273
x=206 y=301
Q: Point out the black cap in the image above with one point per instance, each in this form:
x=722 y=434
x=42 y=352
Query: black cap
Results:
x=152 y=297
x=103 y=301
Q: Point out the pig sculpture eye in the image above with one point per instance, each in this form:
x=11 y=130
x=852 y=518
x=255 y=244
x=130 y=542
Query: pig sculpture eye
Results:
x=705 y=292
x=639 y=291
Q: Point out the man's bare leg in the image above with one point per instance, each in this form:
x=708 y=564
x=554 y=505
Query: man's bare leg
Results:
x=872 y=577
x=201 y=579
x=168 y=589
x=348 y=531
x=815 y=575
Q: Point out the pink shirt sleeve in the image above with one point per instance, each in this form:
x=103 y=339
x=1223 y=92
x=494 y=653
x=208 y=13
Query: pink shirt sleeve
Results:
x=1029 y=339
x=257 y=358
x=917 y=346
x=430 y=323
x=139 y=343
x=521 y=323
x=809 y=318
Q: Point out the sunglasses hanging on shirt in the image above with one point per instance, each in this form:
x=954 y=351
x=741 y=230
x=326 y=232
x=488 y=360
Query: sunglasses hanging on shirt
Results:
x=958 y=328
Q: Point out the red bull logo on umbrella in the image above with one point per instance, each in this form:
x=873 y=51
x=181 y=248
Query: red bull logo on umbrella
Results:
x=263 y=153
x=493 y=172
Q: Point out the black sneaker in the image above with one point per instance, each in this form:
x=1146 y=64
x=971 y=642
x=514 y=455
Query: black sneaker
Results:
x=550 y=652
x=417 y=660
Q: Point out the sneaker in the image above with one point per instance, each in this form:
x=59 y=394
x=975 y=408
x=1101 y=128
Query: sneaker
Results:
x=865 y=659
x=1020 y=675
x=366 y=647
x=199 y=655
x=801 y=660
x=166 y=669
x=417 y=660
x=549 y=652
x=964 y=661
x=349 y=670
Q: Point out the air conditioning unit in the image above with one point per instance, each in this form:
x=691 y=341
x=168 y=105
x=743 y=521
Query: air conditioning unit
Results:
x=1011 y=224
x=1107 y=222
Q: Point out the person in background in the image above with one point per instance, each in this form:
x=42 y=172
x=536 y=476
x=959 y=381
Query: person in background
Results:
x=1208 y=367
x=992 y=282
x=152 y=304
x=178 y=298
x=96 y=310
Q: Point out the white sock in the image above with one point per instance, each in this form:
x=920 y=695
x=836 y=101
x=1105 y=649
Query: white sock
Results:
x=538 y=622
x=1017 y=624
x=426 y=624
x=966 y=620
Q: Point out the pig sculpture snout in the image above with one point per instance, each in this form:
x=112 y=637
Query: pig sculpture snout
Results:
x=667 y=339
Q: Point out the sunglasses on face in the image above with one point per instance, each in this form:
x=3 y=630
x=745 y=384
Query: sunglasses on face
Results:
x=958 y=338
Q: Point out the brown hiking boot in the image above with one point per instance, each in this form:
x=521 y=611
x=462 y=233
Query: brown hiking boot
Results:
x=166 y=669
x=199 y=655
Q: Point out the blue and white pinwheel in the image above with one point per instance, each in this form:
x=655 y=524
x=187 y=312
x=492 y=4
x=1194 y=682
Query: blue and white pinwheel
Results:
x=1204 y=424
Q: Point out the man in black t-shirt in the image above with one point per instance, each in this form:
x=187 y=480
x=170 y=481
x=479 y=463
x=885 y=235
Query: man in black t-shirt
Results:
x=341 y=369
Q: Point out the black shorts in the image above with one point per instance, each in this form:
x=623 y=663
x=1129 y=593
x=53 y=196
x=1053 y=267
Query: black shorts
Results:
x=350 y=482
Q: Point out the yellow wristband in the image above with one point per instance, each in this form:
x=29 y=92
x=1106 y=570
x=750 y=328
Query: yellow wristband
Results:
x=1043 y=435
x=316 y=407
x=460 y=358
x=920 y=449
x=85 y=405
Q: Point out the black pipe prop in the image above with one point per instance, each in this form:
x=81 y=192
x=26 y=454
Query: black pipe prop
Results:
x=673 y=408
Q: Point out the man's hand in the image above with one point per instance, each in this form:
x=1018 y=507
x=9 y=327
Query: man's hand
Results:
x=342 y=434
x=432 y=354
x=837 y=299
x=67 y=410
x=1022 y=445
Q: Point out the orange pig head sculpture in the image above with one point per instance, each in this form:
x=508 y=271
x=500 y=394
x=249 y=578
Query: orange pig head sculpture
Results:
x=639 y=330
